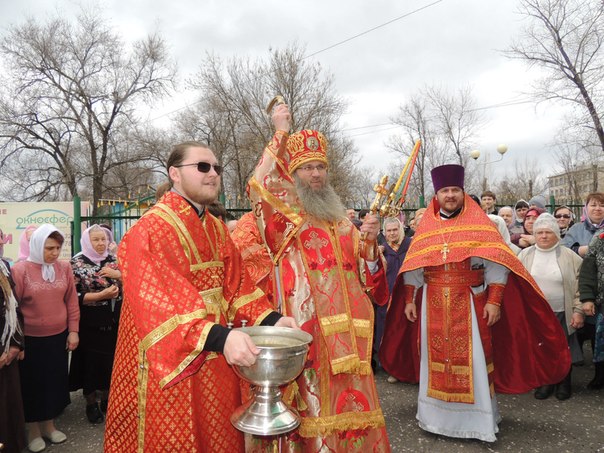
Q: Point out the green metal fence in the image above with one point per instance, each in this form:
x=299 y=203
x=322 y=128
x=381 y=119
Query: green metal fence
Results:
x=121 y=218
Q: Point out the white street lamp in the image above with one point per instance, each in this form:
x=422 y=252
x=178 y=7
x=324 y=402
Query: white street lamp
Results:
x=475 y=154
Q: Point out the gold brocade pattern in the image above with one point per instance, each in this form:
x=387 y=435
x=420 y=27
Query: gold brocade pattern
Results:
x=306 y=146
x=181 y=228
x=319 y=275
x=338 y=329
x=243 y=301
x=449 y=331
x=204 y=266
x=291 y=214
x=476 y=236
x=314 y=427
x=166 y=393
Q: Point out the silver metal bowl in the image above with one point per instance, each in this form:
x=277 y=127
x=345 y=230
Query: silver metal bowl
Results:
x=282 y=355
x=281 y=359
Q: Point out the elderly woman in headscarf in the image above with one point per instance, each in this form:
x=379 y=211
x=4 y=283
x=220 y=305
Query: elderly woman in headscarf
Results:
x=97 y=283
x=527 y=238
x=579 y=235
x=47 y=297
x=565 y=218
x=503 y=230
x=578 y=238
x=12 y=422
x=556 y=270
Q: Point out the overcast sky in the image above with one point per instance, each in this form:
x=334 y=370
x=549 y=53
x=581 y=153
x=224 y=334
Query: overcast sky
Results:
x=453 y=43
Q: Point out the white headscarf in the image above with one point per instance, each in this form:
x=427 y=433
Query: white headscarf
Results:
x=88 y=250
x=505 y=233
x=546 y=221
x=36 y=250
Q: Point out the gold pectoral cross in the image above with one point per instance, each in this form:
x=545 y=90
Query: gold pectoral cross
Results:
x=445 y=251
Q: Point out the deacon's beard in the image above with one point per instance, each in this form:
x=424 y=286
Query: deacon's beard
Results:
x=323 y=203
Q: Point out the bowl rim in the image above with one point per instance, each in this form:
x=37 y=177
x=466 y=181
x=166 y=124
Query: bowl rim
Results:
x=304 y=337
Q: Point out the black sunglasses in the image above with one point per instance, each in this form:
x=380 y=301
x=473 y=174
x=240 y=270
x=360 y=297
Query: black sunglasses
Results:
x=562 y=216
x=203 y=167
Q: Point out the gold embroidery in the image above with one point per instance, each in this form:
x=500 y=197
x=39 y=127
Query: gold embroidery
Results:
x=192 y=355
x=332 y=325
x=461 y=245
x=458 y=369
x=452 y=228
x=181 y=238
x=451 y=397
x=438 y=367
x=363 y=328
x=262 y=316
x=244 y=300
x=334 y=319
x=206 y=265
x=218 y=225
x=322 y=426
x=335 y=239
x=179 y=225
x=349 y=364
x=214 y=301
x=146 y=343
x=279 y=206
x=325 y=387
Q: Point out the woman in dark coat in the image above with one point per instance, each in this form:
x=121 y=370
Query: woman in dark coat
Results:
x=12 y=421
x=96 y=277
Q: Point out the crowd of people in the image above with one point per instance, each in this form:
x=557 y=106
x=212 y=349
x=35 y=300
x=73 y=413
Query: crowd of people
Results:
x=467 y=298
x=52 y=309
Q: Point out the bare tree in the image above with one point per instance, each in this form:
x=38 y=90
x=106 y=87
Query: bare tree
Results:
x=71 y=88
x=414 y=118
x=526 y=181
x=445 y=123
x=565 y=37
x=456 y=119
x=231 y=117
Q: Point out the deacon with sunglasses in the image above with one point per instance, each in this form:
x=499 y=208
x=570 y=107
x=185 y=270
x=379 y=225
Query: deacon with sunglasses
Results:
x=203 y=167
x=185 y=283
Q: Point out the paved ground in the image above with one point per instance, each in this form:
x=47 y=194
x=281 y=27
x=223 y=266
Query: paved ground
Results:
x=529 y=425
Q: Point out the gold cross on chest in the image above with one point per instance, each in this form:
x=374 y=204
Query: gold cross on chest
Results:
x=316 y=243
x=445 y=251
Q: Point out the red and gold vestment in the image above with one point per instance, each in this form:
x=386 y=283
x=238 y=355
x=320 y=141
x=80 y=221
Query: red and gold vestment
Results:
x=319 y=273
x=525 y=349
x=255 y=257
x=181 y=275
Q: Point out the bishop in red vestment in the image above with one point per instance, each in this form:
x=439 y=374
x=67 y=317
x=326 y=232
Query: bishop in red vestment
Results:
x=320 y=279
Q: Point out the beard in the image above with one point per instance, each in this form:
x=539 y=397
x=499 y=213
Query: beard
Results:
x=323 y=203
